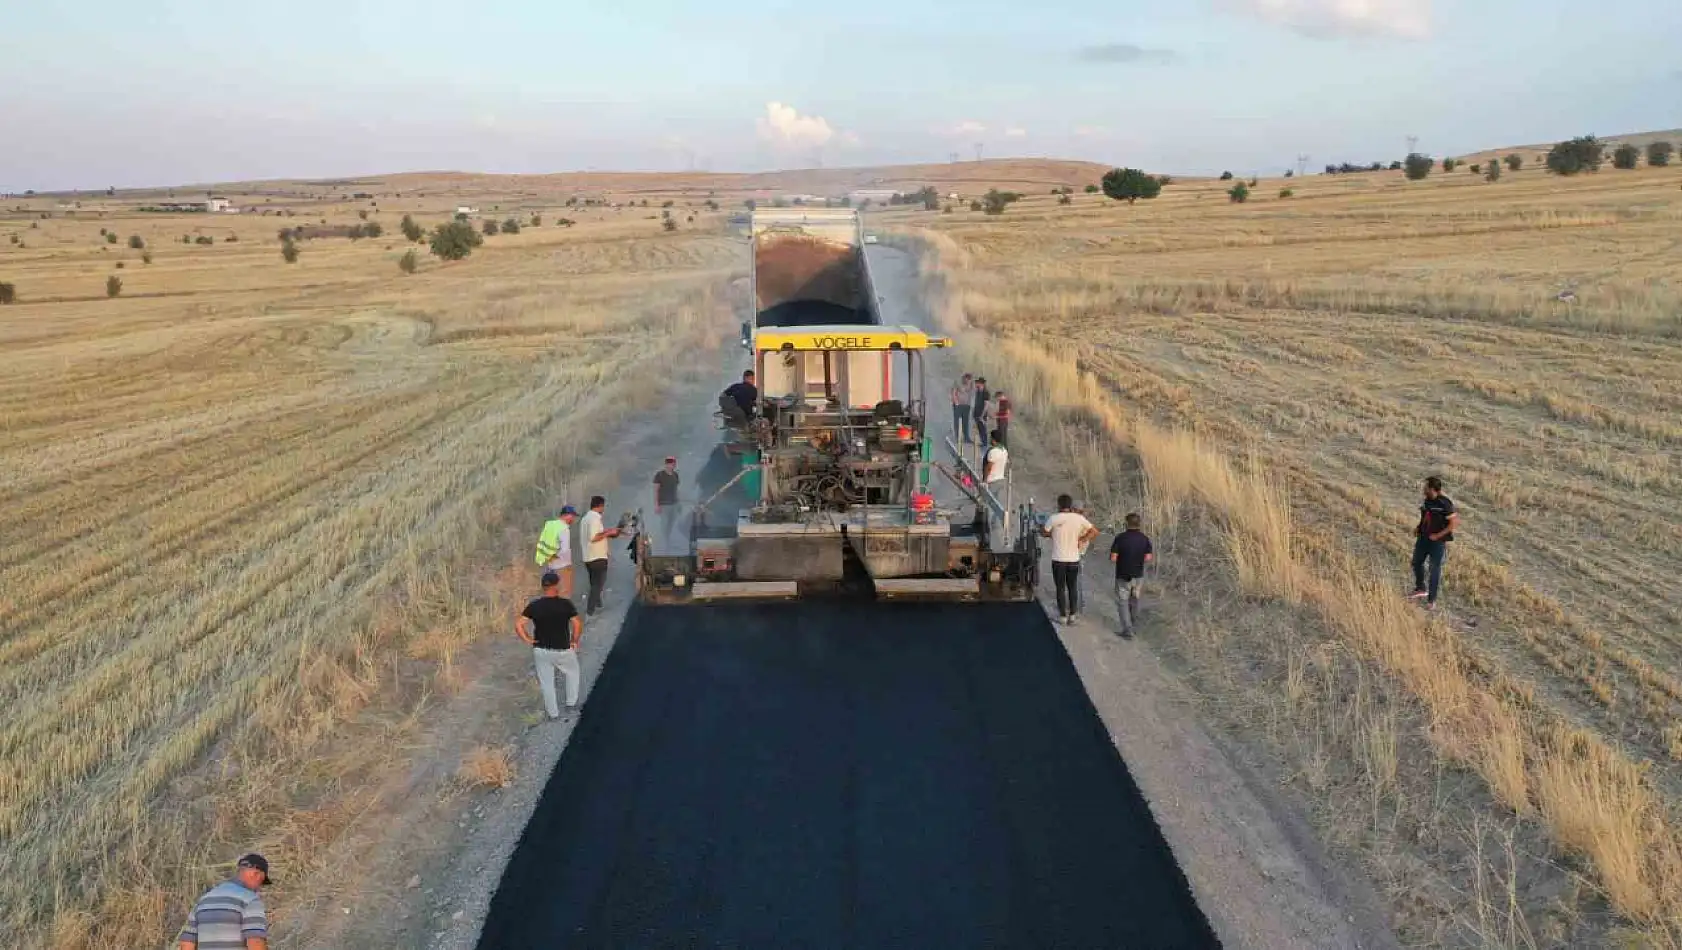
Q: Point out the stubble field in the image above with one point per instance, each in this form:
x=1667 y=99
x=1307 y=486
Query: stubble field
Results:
x=248 y=506
x=1284 y=373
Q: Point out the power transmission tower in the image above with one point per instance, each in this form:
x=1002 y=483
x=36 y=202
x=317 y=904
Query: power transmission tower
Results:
x=1302 y=165
x=953 y=157
x=978 y=151
x=1413 y=144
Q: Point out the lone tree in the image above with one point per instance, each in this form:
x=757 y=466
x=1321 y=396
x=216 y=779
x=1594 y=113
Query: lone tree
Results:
x=110 y=237
x=1659 y=153
x=537 y=220
x=1492 y=172
x=1239 y=194
x=1581 y=154
x=1092 y=189
x=288 y=250
x=1417 y=166
x=511 y=226
x=1515 y=162
x=373 y=229
x=455 y=240
x=1625 y=156
x=1226 y=176
x=113 y=285
x=1286 y=193
x=490 y=226
x=136 y=241
x=1448 y=164
x=411 y=231
x=408 y=262
x=8 y=293
x=1131 y=184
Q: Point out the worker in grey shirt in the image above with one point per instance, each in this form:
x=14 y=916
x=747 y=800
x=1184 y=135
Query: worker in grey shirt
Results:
x=230 y=916
x=665 y=500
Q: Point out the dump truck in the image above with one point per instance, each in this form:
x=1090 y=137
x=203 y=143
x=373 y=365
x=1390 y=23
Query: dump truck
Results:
x=828 y=489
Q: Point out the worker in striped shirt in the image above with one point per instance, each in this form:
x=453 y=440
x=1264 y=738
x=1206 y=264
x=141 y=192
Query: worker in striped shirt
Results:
x=230 y=916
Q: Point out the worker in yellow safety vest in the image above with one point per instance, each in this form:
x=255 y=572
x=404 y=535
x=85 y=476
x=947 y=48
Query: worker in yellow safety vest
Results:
x=554 y=547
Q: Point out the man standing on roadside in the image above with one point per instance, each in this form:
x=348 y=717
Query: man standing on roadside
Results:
x=1437 y=521
x=596 y=538
x=978 y=408
x=1001 y=416
x=1070 y=533
x=994 y=462
x=1130 y=552
x=551 y=627
x=962 y=393
x=666 y=506
x=231 y=915
x=554 y=547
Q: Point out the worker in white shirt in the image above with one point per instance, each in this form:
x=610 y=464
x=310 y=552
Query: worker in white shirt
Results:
x=1070 y=533
x=993 y=466
x=596 y=538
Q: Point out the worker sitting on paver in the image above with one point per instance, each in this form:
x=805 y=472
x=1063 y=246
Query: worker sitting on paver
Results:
x=740 y=401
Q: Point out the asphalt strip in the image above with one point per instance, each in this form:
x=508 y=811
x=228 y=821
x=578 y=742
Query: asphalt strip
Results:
x=841 y=775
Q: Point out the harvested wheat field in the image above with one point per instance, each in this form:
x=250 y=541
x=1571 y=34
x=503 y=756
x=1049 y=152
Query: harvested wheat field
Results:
x=253 y=510
x=1270 y=382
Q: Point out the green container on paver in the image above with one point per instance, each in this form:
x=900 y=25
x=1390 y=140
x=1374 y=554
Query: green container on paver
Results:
x=750 y=481
x=923 y=471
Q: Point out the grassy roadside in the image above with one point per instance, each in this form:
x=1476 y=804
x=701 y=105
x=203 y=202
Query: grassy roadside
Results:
x=314 y=740
x=1349 y=673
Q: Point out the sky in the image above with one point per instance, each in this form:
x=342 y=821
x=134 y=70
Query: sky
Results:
x=97 y=93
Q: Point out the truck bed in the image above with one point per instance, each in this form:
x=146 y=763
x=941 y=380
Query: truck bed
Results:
x=842 y=776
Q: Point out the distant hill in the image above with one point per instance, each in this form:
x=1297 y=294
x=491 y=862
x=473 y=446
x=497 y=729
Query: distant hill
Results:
x=1535 y=154
x=1028 y=175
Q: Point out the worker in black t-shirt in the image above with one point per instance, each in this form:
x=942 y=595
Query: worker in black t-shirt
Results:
x=1437 y=521
x=550 y=625
x=740 y=397
x=1130 y=552
x=666 y=505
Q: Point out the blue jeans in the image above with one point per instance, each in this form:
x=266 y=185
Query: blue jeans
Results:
x=1427 y=551
x=960 y=424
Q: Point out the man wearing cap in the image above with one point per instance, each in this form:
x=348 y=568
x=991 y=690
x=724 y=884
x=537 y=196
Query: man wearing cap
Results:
x=551 y=627
x=230 y=916
x=665 y=499
x=554 y=547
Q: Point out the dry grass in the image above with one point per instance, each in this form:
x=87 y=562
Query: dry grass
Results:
x=486 y=767
x=249 y=511
x=1296 y=408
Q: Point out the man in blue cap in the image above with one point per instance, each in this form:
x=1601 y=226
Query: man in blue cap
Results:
x=554 y=547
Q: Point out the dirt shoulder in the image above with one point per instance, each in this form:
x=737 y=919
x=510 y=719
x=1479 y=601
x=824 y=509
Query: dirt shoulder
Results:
x=419 y=869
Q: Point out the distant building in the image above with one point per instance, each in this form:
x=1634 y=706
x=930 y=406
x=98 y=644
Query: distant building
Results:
x=216 y=205
x=876 y=196
x=464 y=209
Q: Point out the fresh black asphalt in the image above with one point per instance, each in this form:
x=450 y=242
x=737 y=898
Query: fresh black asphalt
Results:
x=841 y=775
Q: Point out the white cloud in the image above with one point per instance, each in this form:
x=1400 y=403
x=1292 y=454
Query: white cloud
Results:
x=785 y=127
x=1015 y=133
x=1405 y=18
